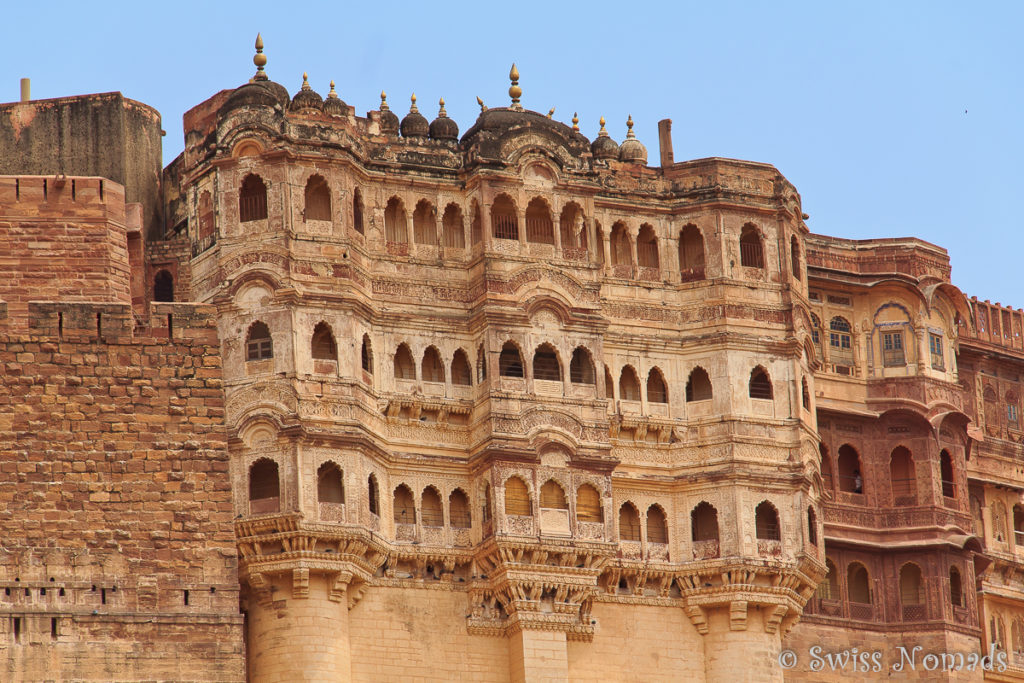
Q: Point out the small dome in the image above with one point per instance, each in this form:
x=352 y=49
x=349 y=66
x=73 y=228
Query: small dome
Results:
x=334 y=105
x=631 y=149
x=603 y=146
x=444 y=128
x=388 y=118
x=306 y=98
x=415 y=124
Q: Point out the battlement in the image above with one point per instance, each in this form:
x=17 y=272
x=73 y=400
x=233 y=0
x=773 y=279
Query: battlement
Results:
x=76 y=196
x=116 y=323
x=996 y=324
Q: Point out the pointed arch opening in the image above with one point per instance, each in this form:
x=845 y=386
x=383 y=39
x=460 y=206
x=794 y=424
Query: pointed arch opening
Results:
x=405 y=367
x=903 y=477
x=588 y=505
x=620 y=249
x=252 y=199
x=258 y=343
x=517 y=498
x=432 y=369
x=452 y=231
x=647 y=248
x=504 y=218
x=794 y=256
x=424 y=227
x=458 y=510
x=657 y=390
x=373 y=495
x=404 y=505
x=698 y=385
x=828 y=589
x=805 y=394
x=850 y=478
x=318 y=199
x=552 y=496
x=858 y=584
x=545 y=364
x=629 y=385
x=510 y=362
x=322 y=345
x=461 y=373
x=691 y=253
x=264 y=487
x=330 y=484
x=704 y=531
x=657 y=525
x=581 y=367
x=812 y=526
x=946 y=471
x=956 y=588
x=629 y=523
x=476 y=226
x=539 y=226
x=572 y=227
x=766 y=522
x=431 y=511
x=912 y=592
x=163 y=286
x=609 y=384
x=396 y=227
x=760 y=385
x=481 y=364
x=357 y=211
x=366 y=355
x=751 y=247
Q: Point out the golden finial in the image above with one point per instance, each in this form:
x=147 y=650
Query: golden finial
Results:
x=259 y=59
x=413 y=109
x=442 y=112
x=514 y=91
x=576 y=122
x=602 y=133
x=551 y=112
x=629 y=128
x=384 y=101
x=332 y=95
x=305 y=81
x=483 y=107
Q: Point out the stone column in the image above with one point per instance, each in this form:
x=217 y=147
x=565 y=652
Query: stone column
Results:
x=737 y=647
x=538 y=656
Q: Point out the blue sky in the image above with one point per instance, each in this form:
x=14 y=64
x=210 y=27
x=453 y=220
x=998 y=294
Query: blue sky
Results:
x=892 y=119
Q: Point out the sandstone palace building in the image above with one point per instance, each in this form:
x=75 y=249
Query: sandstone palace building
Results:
x=337 y=397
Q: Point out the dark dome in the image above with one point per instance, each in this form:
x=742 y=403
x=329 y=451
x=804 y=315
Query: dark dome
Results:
x=266 y=93
x=334 y=105
x=444 y=128
x=603 y=146
x=631 y=149
x=388 y=118
x=494 y=128
x=307 y=98
x=415 y=124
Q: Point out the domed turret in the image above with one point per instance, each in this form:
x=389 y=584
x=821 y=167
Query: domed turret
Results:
x=388 y=118
x=260 y=90
x=444 y=128
x=603 y=146
x=631 y=149
x=307 y=99
x=334 y=105
x=415 y=124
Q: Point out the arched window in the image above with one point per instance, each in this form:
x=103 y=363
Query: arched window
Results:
x=322 y=345
x=698 y=386
x=571 y=226
x=552 y=496
x=812 y=526
x=264 y=487
x=1012 y=410
x=431 y=512
x=357 y=211
x=609 y=384
x=396 y=227
x=366 y=355
x=163 y=286
x=504 y=221
x=826 y=467
x=691 y=253
x=805 y=394
x=657 y=391
x=858 y=583
x=850 y=478
x=545 y=364
x=510 y=363
x=252 y=199
x=330 y=486
x=621 y=255
x=704 y=523
x=751 y=247
x=453 y=235
x=598 y=243
x=816 y=333
x=902 y=475
x=946 y=468
x=204 y=235
x=581 y=367
x=258 y=344
x=517 y=498
x=458 y=510
x=432 y=369
x=588 y=505
x=912 y=592
x=405 y=367
x=461 y=374
x=840 y=342
x=629 y=523
x=657 y=525
x=629 y=385
x=999 y=521
x=404 y=507
x=828 y=589
x=424 y=229
x=318 y=199
x=760 y=386
x=647 y=247
x=372 y=495
x=481 y=364
x=956 y=588
x=1018 y=525
x=794 y=255
x=539 y=227
x=766 y=522
x=476 y=229
x=487 y=505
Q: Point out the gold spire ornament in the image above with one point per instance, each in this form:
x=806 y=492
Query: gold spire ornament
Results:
x=483 y=107
x=551 y=112
x=260 y=60
x=384 y=101
x=305 y=81
x=629 y=128
x=413 y=109
x=575 y=122
x=514 y=91
x=602 y=133
x=442 y=113
x=332 y=95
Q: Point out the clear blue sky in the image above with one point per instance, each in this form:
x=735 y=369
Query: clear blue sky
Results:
x=892 y=119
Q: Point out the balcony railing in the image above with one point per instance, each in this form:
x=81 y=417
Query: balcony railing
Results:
x=705 y=550
x=904 y=492
x=914 y=613
x=862 y=611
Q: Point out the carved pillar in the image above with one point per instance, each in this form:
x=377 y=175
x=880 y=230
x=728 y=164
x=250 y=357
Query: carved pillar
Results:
x=521 y=217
